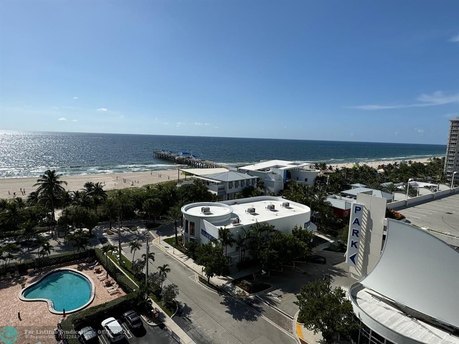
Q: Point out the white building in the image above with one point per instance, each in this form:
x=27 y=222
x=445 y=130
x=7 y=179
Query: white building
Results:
x=221 y=182
x=412 y=294
x=203 y=220
x=407 y=289
x=355 y=191
x=275 y=173
x=452 y=152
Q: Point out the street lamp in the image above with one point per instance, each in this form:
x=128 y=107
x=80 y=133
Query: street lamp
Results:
x=452 y=179
x=408 y=187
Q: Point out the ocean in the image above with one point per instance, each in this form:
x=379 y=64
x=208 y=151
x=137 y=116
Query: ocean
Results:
x=29 y=154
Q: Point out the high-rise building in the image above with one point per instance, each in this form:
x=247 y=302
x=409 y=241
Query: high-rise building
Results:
x=452 y=152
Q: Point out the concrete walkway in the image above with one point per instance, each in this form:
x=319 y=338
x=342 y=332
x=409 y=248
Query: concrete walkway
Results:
x=172 y=325
x=304 y=335
x=218 y=281
x=168 y=321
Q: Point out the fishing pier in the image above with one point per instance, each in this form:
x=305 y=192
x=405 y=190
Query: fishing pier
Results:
x=184 y=158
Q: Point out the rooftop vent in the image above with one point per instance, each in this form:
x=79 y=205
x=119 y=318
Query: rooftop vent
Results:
x=236 y=221
x=251 y=210
x=205 y=210
x=286 y=204
x=271 y=207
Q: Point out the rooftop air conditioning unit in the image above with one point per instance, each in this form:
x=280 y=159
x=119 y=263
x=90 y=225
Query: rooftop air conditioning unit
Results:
x=271 y=207
x=286 y=204
x=236 y=221
x=205 y=210
x=251 y=210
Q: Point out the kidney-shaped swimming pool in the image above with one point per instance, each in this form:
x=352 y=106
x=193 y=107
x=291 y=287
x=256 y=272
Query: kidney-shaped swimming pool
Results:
x=64 y=290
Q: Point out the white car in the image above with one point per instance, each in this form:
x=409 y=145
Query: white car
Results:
x=113 y=330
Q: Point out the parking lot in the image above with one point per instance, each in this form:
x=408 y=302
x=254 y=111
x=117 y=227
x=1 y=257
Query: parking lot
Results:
x=144 y=335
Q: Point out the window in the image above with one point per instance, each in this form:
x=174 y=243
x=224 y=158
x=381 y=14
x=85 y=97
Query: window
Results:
x=186 y=226
x=230 y=185
x=242 y=183
x=305 y=179
x=191 y=228
x=236 y=184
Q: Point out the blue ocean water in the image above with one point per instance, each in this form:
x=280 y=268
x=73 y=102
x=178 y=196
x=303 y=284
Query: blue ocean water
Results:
x=27 y=154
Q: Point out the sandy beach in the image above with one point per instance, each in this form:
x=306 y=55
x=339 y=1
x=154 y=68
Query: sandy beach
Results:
x=11 y=187
x=375 y=164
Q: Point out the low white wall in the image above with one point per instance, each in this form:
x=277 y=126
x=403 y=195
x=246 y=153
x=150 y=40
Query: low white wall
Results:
x=422 y=199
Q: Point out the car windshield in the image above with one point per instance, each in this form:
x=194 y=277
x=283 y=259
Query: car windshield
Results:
x=114 y=327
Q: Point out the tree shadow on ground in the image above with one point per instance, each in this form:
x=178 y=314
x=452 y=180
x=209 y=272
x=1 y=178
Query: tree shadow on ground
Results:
x=249 y=310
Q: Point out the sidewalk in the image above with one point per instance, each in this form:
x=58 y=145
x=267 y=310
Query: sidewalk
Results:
x=302 y=334
x=172 y=325
x=218 y=281
x=169 y=322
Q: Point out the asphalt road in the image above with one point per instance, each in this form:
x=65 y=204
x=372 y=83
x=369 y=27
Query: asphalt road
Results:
x=210 y=317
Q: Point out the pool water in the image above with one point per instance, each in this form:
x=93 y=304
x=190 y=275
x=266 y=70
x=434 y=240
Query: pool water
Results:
x=64 y=288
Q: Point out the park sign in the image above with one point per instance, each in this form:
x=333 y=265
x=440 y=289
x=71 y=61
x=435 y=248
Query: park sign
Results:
x=355 y=227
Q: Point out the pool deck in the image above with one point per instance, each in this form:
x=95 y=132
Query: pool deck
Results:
x=36 y=322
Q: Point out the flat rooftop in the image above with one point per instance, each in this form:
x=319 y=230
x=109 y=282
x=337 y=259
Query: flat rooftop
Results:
x=203 y=171
x=439 y=217
x=262 y=213
x=280 y=164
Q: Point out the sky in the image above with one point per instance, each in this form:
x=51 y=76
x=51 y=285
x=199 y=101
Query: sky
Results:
x=384 y=71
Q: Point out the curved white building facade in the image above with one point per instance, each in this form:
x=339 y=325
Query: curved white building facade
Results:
x=412 y=294
x=203 y=220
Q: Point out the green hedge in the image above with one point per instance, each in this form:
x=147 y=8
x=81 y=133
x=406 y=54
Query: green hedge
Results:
x=23 y=266
x=113 y=270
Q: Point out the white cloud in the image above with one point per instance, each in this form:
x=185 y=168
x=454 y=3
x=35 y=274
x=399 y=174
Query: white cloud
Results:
x=74 y=120
x=419 y=130
x=454 y=39
x=424 y=100
x=75 y=98
x=62 y=119
x=201 y=124
x=102 y=109
x=179 y=124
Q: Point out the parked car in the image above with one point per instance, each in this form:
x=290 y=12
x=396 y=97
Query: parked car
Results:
x=87 y=335
x=132 y=319
x=317 y=259
x=113 y=330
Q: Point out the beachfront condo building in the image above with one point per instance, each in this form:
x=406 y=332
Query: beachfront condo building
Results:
x=452 y=152
x=275 y=173
x=203 y=220
x=221 y=182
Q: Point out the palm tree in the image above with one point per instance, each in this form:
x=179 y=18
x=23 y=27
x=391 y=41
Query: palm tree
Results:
x=174 y=214
x=134 y=245
x=96 y=192
x=151 y=256
x=46 y=249
x=164 y=270
x=241 y=244
x=50 y=190
x=105 y=250
x=226 y=238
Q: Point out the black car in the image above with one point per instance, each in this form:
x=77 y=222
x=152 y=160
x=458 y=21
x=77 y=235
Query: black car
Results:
x=132 y=319
x=317 y=259
x=88 y=335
